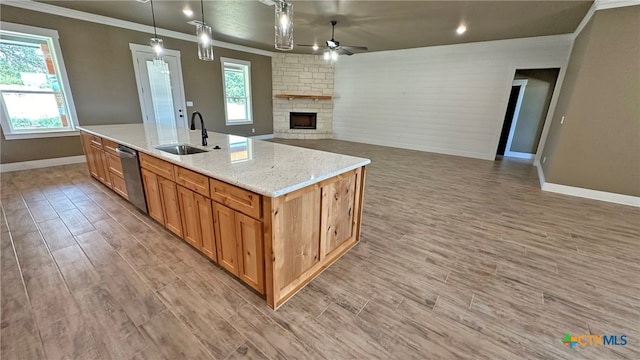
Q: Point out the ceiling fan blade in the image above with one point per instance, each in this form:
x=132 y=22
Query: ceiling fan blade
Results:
x=344 y=51
x=364 y=48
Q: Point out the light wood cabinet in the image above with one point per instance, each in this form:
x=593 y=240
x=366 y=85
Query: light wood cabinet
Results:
x=236 y=198
x=119 y=186
x=100 y=167
x=197 y=221
x=170 y=206
x=250 y=252
x=152 y=194
x=96 y=158
x=192 y=180
x=205 y=215
x=275 y=245
x=225 y=229
x=240 y=247
x=160 y=167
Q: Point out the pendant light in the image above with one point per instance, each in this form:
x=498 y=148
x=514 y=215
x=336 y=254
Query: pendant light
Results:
x=284 y=25
x=156 y=42
x=205 y=38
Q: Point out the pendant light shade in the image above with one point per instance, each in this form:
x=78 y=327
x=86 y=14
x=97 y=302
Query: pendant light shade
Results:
x=158 y=49
x=156 y=43
x=284 y=26
x=205 y=38
x=205 y=42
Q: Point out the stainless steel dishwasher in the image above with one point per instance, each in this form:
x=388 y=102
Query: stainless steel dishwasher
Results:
x=132 y=177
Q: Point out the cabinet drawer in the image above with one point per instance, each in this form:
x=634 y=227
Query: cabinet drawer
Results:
x=110 y=147
x=157 y=166
x=119 y=185
x=95 y=140
x=236 y=198
x=114 y=163
x=192 y=180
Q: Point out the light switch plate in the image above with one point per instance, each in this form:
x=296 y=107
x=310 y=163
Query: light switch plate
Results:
x=190 y=103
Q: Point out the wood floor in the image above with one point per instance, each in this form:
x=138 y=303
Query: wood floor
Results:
x=459 y=258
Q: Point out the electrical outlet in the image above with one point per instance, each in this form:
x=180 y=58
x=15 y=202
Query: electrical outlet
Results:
x=253 y=130
x=562 y=121
x=544 y=159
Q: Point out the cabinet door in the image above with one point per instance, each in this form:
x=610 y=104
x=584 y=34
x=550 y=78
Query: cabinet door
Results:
x=118 y=185
x=225 y=230
x=170 y=207
x=207 y=234
x=99 y=168
x=86 y=147
x=250 y=254
x=91 y=162
x=105 y=168
x=189 y=217
x=152 y=194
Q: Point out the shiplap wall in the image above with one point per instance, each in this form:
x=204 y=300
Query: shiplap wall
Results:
x=448 y=99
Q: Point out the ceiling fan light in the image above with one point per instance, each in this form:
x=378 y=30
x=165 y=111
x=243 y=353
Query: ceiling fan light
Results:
x=284 y=26
x=204 y=33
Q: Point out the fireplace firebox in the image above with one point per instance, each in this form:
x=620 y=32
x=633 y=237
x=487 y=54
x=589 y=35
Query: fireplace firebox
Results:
x=302 y=120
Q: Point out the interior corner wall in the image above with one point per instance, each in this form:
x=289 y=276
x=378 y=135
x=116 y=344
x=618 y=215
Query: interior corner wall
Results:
x=447 y=99
x=100 y=70
x=598 y=146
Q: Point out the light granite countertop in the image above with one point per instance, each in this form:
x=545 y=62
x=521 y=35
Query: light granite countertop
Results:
x=263 y=167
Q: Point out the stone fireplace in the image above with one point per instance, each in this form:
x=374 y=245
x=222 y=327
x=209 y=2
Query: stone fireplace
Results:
x=302 y=84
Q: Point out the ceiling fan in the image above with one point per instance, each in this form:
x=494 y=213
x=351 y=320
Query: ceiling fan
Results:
x=334 y=46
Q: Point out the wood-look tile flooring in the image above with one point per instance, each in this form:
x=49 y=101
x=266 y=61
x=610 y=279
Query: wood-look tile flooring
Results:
x=459 y=258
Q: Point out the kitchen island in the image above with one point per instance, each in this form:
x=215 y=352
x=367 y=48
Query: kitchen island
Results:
x=273 y=215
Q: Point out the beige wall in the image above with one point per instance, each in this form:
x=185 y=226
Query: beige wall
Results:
x=100 y=70
x=598 y=146
x=534 y=107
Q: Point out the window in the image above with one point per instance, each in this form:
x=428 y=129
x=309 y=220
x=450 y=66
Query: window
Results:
x=34 y=91
x=236 y=81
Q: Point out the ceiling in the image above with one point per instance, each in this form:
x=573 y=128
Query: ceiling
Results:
x=380 y=25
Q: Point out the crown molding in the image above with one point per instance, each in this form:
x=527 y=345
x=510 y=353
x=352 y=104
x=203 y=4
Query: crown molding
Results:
x=104 y=20
x=610 y=4
x=602 y=5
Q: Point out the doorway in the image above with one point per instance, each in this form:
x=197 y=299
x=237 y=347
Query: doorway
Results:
x=526 y=113
x=160 y=86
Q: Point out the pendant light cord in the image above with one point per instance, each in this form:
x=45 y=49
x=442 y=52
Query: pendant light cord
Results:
x=202 y=10
x=153 y=16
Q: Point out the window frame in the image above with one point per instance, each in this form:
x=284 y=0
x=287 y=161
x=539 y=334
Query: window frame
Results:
x=58 y=61
x=248 y=92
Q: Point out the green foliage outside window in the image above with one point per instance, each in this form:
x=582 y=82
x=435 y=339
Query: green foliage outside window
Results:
x=235 y=86
x=16 y=59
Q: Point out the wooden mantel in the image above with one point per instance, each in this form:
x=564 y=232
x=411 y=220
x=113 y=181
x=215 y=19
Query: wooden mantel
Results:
x=309 y=97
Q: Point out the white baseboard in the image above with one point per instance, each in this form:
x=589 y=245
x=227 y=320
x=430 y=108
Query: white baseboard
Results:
x=519 y=155
x=37 y=164
x=587 y=193
x=262 y=137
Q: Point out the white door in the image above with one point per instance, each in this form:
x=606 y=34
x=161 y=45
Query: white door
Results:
x=160 y=86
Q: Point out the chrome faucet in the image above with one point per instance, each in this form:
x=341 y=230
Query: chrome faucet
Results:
x=193 y=127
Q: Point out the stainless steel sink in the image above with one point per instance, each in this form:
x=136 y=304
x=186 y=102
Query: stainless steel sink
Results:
x=179 y=149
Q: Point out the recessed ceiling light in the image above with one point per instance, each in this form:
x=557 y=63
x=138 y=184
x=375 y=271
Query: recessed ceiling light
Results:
x=188 y=12
x=315 y=47
x=461 y=29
